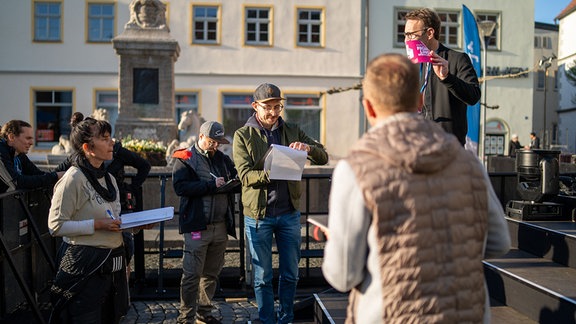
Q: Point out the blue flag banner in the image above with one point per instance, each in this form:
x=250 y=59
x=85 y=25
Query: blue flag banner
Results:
x=472 y=48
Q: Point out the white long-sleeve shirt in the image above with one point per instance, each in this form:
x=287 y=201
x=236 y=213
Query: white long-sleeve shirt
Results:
x=75 y=206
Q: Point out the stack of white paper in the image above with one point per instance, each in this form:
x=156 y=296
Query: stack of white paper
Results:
x=146 y=217
x=285 y=163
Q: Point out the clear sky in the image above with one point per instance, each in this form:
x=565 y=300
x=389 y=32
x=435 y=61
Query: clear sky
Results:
x=546 y=10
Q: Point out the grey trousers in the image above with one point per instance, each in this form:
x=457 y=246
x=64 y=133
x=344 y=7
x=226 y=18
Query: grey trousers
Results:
x=201 y=264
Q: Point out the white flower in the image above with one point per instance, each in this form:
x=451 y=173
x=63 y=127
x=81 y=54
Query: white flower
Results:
x=141 y=146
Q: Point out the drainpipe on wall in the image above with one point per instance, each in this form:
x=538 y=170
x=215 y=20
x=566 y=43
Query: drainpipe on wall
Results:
x=363 y=122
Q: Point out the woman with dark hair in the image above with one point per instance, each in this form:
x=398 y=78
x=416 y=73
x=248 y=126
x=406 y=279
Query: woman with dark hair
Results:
x=90 y=285
x=129 y=192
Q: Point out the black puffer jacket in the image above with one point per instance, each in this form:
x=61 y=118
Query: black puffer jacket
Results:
x=190 y=188
x=31 y=177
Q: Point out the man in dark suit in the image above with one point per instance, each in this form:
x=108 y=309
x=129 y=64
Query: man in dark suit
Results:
x=448 y=83
x=534 y=141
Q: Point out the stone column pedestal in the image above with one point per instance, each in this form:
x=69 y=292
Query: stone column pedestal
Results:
x=146 y=76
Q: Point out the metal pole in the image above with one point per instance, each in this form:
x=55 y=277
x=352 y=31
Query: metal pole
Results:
x=544 y=136
x=483 y=107
x=486 y=27
x=160 y=290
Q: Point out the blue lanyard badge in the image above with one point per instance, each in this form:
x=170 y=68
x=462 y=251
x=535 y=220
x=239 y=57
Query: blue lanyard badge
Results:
x=17 y=165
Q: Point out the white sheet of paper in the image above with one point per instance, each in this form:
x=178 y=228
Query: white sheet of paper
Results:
x=319 y=220
x=285 y=163
x=146 y=217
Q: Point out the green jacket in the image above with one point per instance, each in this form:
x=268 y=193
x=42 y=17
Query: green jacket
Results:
x=250 y=144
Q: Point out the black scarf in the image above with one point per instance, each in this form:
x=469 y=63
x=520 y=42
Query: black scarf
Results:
x=93 y=175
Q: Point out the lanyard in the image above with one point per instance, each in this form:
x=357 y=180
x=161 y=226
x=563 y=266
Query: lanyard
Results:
x=425 y=83
x=428 y=68
x=17 y=165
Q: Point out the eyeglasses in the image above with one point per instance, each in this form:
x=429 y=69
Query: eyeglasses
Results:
x=412 y=35
x=277 y=108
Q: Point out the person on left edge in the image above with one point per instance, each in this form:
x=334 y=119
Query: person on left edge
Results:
x=90 y=285
x=16 y=139
x=206 y=219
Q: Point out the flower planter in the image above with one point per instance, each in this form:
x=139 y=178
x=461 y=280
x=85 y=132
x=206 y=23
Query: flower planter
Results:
x=155 y=158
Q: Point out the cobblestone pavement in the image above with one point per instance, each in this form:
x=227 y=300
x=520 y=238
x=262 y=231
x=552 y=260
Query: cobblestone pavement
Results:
x=239 y=310
x=229 y=310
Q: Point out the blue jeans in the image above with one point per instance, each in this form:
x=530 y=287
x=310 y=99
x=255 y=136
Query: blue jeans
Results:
x=286 y=229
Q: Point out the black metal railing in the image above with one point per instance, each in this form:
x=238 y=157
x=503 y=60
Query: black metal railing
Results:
x=27 y=263
x=314 y=185
x=28 y=251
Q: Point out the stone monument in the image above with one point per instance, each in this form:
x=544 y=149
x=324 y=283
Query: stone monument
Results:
x=146 y=74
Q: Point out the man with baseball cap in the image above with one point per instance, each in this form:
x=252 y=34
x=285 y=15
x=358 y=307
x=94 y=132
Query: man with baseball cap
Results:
x=215 y=131
x=206 y=218
x=270 y=206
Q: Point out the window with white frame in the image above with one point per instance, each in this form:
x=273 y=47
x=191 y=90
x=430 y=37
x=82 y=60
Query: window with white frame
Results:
x=258 y=26
x=449 y=28
x=236 y=109
x=449 y=33
x=400 y=24
x=109 y=100
x=493 y=40
x=304 y=110
x=494 y=144
x=52 y=112
x=205 y=24
x=537 y=42
x=47 y=21
x=309 y=27
x=547 y=42
x=100 y=22
x=494 y=141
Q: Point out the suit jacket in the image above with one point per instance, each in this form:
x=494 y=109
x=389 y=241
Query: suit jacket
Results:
x=446 y=101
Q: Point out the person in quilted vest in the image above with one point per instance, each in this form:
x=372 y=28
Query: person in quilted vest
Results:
x=412 y=214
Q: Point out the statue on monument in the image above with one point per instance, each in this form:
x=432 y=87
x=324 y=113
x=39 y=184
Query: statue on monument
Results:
x=146 y=75
x=147 y=14
x=101 y=114
x=190 y=122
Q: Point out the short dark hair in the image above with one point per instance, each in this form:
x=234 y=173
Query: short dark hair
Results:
x=429 y=17
x=532 y=133
x=13 y=127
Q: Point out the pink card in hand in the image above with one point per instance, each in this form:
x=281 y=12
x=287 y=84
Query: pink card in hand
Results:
x=417 y=52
